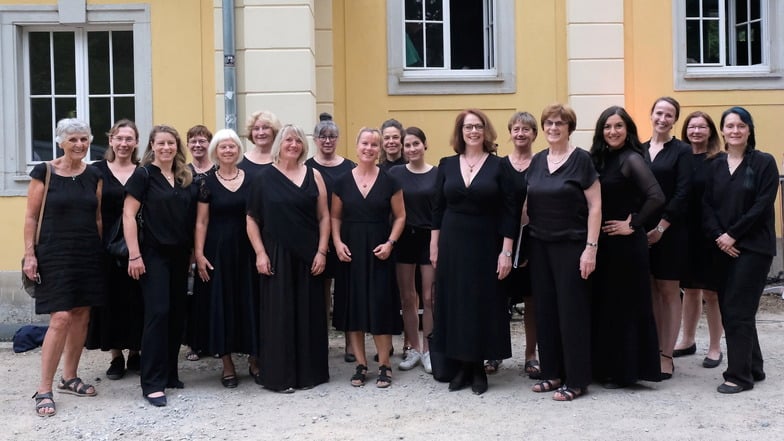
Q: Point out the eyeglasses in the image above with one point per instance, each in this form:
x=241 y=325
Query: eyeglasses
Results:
x=471 y=127
x=194 y=141
x=548 y=123
x=522 y=130
x=127 y=139
x=697 y=128
x=327 y=137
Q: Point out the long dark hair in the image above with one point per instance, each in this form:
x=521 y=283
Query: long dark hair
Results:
x=745 y=116
x=599 y=147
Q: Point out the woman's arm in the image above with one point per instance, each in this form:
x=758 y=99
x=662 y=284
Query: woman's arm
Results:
x=199 y=237
x=341 y=249
x=131 y=233
x=35 y=197
x=98 y=215
x=263 y=264
x=384 y=250
x=593 y=197
x=322 y=214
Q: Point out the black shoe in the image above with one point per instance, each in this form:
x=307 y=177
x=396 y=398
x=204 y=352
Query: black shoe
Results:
x=230 y=381
x=667 y=375
x=479 y=381
x=461 y=379
x=175 y=384
x=134 y=362
x=157 y=401
x=725 y=388
x=348 y=357
x=758 y=376
x=391 y=351
x=711 y=363
x=116 y=368
x=685 y=351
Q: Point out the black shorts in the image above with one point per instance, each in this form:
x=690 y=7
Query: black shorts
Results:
x=413 y=247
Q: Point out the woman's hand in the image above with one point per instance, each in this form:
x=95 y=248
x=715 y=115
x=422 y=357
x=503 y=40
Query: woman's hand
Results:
x=263 y=264
x=319 y=264
x=383 y=251
x=587 y=261
x=504 y=265
x=726 y=243
x=30 y=267
x=136 y=268
x=344 y=254
x=618 y=228
x=202 y=265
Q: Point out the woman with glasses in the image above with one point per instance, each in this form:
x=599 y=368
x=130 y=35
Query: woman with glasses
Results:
x=118 y=324
x=471 y=250
x=564 y=211
x=331 y=166
x=699 y=283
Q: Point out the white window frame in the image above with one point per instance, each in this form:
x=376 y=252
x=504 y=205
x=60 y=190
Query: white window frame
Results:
x=720 y=76
x=14 y=126
x=427 y=81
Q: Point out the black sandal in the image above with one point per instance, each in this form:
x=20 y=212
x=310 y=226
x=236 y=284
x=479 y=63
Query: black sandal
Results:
x=75 y=386
x=546 y=386
x=384 y=380
x=491 y=366
x=359 y=377
x=568 y=394
x=40 y=405
x=533 y=369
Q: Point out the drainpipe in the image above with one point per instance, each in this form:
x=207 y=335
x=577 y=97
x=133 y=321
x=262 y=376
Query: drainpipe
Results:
x=229 y=66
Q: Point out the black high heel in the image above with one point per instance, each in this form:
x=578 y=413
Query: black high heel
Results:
x=667 y=375
x=463 y=378
x=479 y=382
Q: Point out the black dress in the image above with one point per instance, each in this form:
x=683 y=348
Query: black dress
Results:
x=700 y=274
x=69 y=251
x=224 y=318
x=118 y=324
x=625 y=344
x=251 y=169
x=293 y=329
x=470 y=311
x=369 y=301
x=518 y=283
x=672 y=168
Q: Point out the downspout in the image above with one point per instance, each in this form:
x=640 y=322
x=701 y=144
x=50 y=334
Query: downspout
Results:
x=229 y=67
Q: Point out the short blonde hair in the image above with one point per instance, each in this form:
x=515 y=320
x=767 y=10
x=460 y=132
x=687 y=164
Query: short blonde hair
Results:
x=284 y=131
x=265 y=116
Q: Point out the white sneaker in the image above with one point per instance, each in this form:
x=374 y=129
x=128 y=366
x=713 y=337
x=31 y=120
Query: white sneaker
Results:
x=426 y=362
x=412 y=359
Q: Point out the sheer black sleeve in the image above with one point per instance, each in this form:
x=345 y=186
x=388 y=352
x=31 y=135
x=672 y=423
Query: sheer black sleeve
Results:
x=636 y=169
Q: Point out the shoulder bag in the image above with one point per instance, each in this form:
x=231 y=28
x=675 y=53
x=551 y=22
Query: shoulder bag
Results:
x=27 y=283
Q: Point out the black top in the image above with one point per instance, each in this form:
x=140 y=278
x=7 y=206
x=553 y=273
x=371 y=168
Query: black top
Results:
x=198 y=177
x=386 y=165
x=251 y=168
x=643 y=199
x=741 y=204
x=331 y=174
x=419 y=193
x=557 y=208
x=112 y=198
x=699 y=175
x=376 y=207
x=672 y=168
x=518 y=182
x=167 y=211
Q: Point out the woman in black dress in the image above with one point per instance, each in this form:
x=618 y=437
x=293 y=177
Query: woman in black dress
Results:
x=66 y=260
x=118 y=324
x=740 y=192
x=670 y=160
x=362 y=203
x=288 y=226
x=331 y=166
x=625 y=348
x=391 y=144
x=262 y=128
x=471 y=250
x=162 y=190
x=417 y=179
x=699 y=284
x=224 y=264
x=564 y=216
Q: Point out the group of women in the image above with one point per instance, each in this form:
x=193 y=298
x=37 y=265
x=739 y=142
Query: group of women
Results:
x=593 y=240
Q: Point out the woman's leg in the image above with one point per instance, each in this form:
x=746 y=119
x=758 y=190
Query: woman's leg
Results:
x=409 y=304
x=428 y=275
x=715 y=329
x=667 y=312
x=383 y=345
x=357 y=341
x=52 y=349
x=692 y=310
x=74 y=342
x=529 y=324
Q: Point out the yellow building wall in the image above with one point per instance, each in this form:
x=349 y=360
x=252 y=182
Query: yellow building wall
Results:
x=361 y=97
x=183 y=84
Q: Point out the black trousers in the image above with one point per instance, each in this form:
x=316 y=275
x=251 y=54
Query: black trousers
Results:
x=563 y=311
x=164 y=287
x=740 y=289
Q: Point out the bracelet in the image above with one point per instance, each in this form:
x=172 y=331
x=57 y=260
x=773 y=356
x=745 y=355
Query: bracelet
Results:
x=391 y=242
x=135 y=258
x=591 y=244
x=323 y=253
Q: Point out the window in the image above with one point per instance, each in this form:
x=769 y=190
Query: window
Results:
x=724 y=44
x=450 y=46
x=98 y=71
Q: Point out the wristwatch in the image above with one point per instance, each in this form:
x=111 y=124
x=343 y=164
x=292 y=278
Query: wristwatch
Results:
x=507 y=253
x=659 y=228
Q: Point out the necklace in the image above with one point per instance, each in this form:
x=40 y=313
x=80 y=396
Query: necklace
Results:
x=168 y=178
x=228 y=179
x=471 y=166
x=199 y=170
x=554 y=162
x=518 y=165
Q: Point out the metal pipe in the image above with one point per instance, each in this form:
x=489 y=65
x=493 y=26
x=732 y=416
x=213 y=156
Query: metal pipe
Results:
x=229 y=66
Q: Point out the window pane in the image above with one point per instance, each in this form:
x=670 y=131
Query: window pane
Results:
x=434 y=10
x=434 y=46
x=64 y=108
x=693 y=41
x=40 y=64
x=754 y=13
x=122 y=58
x=100 y=122
x=741 y=11
x=710 y=37
x=98 y=62
x=756 y=42
x=467 y=34
x=710 y=8
x=413 y=10
x=124 y=108
x=692 y=8
x=64 y=63
x=415 y=45
x=41 y=129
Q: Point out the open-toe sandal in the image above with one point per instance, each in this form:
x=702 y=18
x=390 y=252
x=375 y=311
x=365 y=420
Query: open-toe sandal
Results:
x=358 y=379
x=75 y=386
x=384 y=379
x=491 y=366
x=40 y=405
x=568 y=394
x=533 y=369
x=546 y=386
x=192 y=355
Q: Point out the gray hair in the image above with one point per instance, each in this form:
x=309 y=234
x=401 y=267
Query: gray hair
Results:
x=325 y=124
x=68 y=126
x=219 y=137
x=284 y=131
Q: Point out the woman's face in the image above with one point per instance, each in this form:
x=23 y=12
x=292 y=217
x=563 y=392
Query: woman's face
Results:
x=123 y=143
x=523 y=135
x=663 y=117
x=414 y=148
x=327 y=142
x=291 y=147
x=614 y=132
x=228 y=152
x=735 y=131
x=392 y=141
x=75 y=145
x=198 y=146
x=473 y=131
x=368 y=147
x=262 y=133
x=697 y=131
x=556 y=130
x=164 y=145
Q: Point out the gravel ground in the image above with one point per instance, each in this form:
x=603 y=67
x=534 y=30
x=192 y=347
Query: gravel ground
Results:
x=415 y=407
